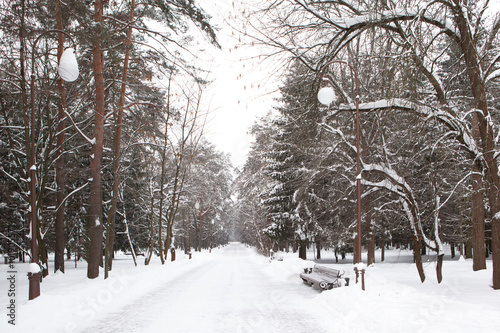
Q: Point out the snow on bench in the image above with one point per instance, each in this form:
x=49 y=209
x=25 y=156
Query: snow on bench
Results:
x=324 y=277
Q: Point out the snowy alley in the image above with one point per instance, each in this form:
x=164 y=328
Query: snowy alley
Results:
x=227 y=294
x=233 y=289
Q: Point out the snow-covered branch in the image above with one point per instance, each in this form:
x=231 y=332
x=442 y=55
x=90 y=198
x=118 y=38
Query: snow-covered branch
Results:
x=90 y=141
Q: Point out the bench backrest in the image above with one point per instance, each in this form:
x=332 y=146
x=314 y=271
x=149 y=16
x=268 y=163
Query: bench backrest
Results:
x=334 y=273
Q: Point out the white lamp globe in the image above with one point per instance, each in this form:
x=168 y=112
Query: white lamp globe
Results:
x=326 y=95
x=68 y=66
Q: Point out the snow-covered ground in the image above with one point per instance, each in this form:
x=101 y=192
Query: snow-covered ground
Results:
x=233 y=289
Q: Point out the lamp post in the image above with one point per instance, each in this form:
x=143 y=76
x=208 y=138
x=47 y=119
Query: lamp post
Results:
x=326 y=96
x=68 y=71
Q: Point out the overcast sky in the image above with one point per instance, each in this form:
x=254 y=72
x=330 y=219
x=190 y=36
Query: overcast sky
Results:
x=242 y=90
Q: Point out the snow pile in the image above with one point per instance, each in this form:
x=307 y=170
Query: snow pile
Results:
x=391 y=307
x=395 y=300
x=288 y=269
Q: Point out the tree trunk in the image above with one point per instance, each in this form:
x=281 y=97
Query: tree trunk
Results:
x=94 y=223
x=382 y=251
x=152 y=232
x=42 y=254
x=370 y=234
x=127 y=232
x=382 y=246
x=59 y=157
x=163 y=167
x=486 y=140
x=439 y=268
x=478 y=250
x=302 y=250
x=452 y=248
x=318 y=250
x=110 y=234
x=468 y=249
x=355 y=249
x=418 y=257
x=172 y=254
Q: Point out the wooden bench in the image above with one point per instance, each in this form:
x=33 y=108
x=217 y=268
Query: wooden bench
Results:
x=324 y=277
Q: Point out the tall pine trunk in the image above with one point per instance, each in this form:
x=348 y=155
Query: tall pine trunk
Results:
x=94 y=223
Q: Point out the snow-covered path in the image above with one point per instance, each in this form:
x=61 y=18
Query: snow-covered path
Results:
x=229 y=293
x=233 y=289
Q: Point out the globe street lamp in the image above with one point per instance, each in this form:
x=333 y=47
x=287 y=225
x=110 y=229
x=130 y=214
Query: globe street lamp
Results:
x=68 y=71
x=326 y=95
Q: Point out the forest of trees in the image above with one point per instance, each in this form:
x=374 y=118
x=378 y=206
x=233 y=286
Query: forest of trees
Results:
x=121 y=160
x=122 y=163
x=429 y=83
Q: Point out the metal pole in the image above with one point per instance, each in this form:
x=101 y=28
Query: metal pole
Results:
x=357 y=245
x=34 y=282
x=358 y=167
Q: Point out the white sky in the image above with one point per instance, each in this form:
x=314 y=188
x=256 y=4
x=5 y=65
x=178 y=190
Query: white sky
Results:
x=242 y=90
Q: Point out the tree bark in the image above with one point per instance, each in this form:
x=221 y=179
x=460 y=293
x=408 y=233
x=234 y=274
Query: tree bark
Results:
x=370 y=233
x=439 y=268
x=418 y=257
x=60 y=182
x=152 y=231
x=468 y=249
x=486 y=140
x=302 y=250
x=382 y=246
x=318 y=250
x=478 y=250
x=94 y=223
